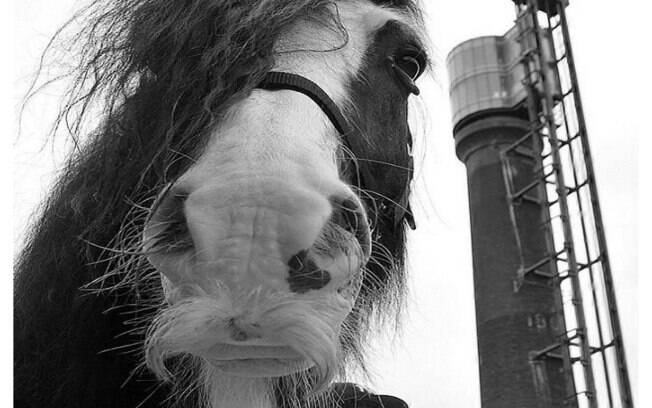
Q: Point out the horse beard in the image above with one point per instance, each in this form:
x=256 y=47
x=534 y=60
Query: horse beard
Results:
x=189 y=327
x=222 y=391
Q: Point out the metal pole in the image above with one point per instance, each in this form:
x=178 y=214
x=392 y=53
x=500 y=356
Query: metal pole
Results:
x=561 y=190
x=625 y=387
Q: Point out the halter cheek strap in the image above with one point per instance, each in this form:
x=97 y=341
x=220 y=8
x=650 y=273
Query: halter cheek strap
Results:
x=274 y=81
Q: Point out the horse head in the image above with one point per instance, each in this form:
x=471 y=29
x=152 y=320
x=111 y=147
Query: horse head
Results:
x=272 y=183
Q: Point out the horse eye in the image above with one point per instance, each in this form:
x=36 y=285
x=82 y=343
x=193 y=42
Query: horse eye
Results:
x=410 y=65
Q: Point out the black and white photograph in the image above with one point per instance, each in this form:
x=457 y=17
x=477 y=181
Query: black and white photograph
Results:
x=325 y=204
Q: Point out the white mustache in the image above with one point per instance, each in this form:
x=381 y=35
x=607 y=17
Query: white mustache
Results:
x=287 y=327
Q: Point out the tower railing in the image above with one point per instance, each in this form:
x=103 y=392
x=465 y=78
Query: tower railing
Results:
x=590 y=339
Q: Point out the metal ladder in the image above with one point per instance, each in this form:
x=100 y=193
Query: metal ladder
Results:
x=590 y=341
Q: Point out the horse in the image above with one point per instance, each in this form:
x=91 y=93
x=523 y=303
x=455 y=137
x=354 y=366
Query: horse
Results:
x=234 y=223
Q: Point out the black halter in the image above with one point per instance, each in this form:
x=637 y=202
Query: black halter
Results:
x=274 y=81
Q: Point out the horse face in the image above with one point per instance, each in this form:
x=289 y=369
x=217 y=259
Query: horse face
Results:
x=264 y=228
x=261 y=243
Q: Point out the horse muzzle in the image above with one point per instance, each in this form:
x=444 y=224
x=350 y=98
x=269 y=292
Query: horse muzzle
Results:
x=271 y=268
x=265 y=233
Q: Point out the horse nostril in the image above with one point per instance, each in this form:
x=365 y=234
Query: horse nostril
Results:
x=349 y=214
x=167 y=228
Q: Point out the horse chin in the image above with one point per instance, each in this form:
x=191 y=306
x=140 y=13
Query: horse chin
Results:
x=255 y=361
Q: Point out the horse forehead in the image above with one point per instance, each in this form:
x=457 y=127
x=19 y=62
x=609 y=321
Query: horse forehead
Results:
x=330 y=70
x=369 y=16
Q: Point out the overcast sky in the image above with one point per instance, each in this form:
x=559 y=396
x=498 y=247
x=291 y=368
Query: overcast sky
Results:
x=434 y=362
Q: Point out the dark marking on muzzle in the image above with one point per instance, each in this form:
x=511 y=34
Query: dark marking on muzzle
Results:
x=305 y=275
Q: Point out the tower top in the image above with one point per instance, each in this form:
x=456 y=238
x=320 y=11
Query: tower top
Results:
x=485 y=77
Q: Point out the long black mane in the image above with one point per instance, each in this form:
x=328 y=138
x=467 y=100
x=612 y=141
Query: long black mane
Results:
x=164 y=72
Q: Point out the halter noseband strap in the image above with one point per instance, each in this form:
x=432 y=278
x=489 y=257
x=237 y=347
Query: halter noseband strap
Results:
x=275 y=80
